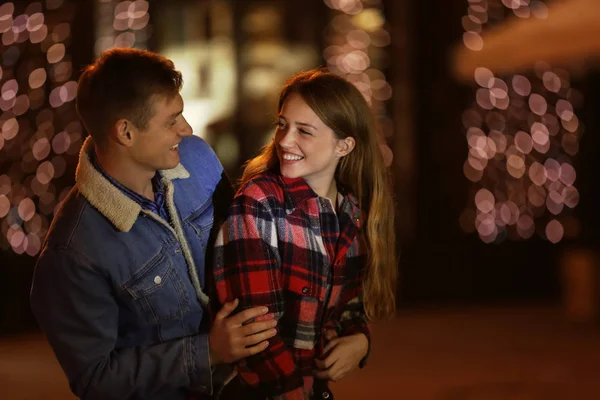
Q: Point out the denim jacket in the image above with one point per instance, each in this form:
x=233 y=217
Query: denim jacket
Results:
x=118 y=291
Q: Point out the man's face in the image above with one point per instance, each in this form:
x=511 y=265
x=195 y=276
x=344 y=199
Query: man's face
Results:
x=156 y=147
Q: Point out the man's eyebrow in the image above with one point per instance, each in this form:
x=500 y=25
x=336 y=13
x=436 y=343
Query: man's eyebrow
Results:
x=175 y=115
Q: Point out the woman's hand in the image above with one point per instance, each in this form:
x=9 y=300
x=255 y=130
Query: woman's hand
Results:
x=345 y=354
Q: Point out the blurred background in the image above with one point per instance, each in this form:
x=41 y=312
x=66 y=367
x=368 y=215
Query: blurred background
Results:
x=489 y=122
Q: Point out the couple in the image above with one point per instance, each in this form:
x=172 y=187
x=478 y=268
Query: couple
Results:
x=154 y=284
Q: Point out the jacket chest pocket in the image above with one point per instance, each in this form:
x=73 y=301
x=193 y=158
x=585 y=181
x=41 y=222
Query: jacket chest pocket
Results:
x=304 y=305
x=158 y=291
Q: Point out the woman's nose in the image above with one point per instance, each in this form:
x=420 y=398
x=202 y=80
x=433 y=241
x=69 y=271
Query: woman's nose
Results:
x=286 y=138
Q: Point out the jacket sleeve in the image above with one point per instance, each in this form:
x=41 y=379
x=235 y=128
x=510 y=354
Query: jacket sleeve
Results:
x=247 y=267
x=75 y=307
x=221 y=199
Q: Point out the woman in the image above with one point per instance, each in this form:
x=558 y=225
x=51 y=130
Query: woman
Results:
x=310 y=235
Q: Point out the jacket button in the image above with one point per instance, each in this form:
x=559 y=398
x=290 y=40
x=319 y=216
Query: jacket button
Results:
x=305 y=290
x=157 y=280
x=325 y=395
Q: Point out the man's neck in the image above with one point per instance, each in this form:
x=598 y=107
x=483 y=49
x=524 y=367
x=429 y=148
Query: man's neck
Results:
x=127 y=173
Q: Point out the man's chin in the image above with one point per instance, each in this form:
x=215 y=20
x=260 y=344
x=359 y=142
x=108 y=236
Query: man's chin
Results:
x=169 y=165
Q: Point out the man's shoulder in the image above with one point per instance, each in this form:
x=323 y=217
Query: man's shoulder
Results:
x=72 y=221
x=197 y=156
x=67 y=215
x=205 y=174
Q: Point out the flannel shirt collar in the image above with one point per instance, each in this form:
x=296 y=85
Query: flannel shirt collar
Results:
x=297 y=191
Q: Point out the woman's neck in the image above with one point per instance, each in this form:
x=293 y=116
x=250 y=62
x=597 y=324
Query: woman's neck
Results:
x=327 y=190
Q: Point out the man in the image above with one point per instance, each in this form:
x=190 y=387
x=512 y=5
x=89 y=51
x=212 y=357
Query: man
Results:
x=119 y=288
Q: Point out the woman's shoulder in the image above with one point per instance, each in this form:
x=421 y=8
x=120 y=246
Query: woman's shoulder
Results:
x=264 y=187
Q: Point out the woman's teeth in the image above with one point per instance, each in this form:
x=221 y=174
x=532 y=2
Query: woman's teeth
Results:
x=291 y=157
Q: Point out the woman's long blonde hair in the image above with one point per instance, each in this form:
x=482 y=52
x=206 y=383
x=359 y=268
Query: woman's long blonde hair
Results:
x=341 y=107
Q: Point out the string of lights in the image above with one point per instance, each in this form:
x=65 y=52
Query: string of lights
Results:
x=522 y=134
x=356 y=39
x=121 y=24
x=40 y=132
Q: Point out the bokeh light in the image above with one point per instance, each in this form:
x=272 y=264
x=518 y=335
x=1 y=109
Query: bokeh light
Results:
x=522 y=133
x=122 y=24
x=37 y=119
x=355 y=40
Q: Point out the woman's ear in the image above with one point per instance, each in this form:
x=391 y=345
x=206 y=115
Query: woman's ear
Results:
x=345 y=146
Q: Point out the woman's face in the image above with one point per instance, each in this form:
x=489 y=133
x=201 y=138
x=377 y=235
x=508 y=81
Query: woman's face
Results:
x=306 y=147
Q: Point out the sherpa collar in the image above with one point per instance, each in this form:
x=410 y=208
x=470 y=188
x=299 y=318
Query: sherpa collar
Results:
x=121 y=210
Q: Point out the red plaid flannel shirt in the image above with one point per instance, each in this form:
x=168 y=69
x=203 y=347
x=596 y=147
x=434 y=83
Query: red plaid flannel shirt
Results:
x=284 y=247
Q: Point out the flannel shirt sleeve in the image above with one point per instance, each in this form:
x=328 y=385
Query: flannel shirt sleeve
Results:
x=247 y=267
x=353 y=320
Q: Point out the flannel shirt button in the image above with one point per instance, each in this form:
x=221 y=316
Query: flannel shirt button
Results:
x=305 y=290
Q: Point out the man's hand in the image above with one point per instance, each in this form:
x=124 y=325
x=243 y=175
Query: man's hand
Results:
x=229 y=340
x=345 y=354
